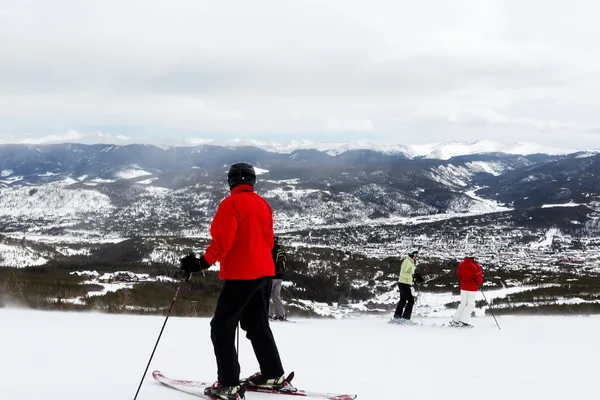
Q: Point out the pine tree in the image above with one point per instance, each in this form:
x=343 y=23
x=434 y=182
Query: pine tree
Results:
x=14 y=289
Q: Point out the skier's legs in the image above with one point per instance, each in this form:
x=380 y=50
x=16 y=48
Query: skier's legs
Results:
x=461 y=306
x=255 y=321
x=401 y=302
x=409 y=303
x=276 y=296
x=233 y=298
x=469 y=306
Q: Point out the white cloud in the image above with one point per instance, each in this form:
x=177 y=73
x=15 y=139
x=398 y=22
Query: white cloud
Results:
x=69 y=136
x=353 y=125
x=488 y=117
x=316 y=67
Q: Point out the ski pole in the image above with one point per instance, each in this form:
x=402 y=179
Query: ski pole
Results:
x=238 y=343
x=419 y=304
x=160 y=334
x=490 y=306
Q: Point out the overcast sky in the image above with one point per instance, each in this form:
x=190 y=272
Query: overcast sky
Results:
x=411 y=72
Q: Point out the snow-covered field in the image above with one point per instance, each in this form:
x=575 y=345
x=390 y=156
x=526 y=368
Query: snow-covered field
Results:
x=54 y=355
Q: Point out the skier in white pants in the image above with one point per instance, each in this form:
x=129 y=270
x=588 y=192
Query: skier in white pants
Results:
x=279 y=259
x=470 y=277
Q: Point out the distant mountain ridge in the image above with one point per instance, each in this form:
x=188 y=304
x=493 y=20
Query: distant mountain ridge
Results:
x=147 y=188
x=38 y=164
x=437 y=150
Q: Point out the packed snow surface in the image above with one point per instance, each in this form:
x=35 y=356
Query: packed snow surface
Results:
x=92 y=356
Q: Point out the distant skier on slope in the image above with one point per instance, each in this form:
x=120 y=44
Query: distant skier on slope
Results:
x=470 y=277
x=242 y=239
x=405 y=281
x=279 y=260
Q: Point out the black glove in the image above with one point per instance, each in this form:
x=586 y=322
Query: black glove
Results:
x=418 y=278
x=191 y=264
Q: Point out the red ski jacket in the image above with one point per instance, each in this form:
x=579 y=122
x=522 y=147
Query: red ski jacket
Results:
x=242 y=236
x=470 y=275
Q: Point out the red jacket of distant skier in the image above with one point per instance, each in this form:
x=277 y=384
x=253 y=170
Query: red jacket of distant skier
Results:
x=470 y=275
x=242 y=236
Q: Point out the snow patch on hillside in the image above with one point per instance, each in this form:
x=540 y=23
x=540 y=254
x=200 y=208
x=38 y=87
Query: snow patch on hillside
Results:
x=129 y=173
x=113 y=281
x=66 y=182
x=12 y=179
x=67 y=251
x=260 y=171
x=158 y=191
x=100 y=180
x=49 y=174
x=76 y=237
x=588 y=154
x=52 y=201
x=147 y=181
x=19 y=256
x=447 y=150
x=482 y=205
x=494 y=168
x=451 y=175
x=548 y=238
x=569 y=204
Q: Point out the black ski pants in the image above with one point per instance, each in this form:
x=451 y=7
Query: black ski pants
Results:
x=406 y=303
x=246 y=302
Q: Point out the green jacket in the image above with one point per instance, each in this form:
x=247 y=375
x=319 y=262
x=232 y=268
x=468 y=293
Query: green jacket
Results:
x=407 y=270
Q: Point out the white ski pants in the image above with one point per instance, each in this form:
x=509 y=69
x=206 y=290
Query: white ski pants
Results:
x=276 y=297
x=466 y=306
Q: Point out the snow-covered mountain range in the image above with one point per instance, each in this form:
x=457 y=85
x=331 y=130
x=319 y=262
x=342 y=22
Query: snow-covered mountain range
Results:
x=143 y=189
x=438 y=150
x=105 y=206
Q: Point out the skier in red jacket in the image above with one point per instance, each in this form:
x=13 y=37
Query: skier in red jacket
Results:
x=242 y=240
x=470 y=277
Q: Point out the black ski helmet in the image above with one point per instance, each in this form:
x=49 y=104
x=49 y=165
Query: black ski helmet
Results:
x=241 y=173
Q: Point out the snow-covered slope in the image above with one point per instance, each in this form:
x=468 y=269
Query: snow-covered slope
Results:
x=129 y=173
x=447 y=150
x=19 y=256
x=99 y=357
x=52 y=201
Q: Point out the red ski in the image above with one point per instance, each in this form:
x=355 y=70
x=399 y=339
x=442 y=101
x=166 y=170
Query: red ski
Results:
x=196 y=388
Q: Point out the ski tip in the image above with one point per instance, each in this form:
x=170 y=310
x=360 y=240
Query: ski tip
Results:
x=157 y=374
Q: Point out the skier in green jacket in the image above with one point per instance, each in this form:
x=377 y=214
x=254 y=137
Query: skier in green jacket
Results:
x=405 y=281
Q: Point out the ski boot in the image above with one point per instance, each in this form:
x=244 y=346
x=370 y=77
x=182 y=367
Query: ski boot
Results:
x=216 y=391
x=454 y=324
x=465 y=325
x=257 y=382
